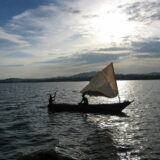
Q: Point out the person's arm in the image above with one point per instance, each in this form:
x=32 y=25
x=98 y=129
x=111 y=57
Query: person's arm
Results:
x=81 y=101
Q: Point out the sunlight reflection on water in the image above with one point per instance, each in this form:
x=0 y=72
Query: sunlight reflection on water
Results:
x=126 y=92
x=135 y=133
x=26 y=126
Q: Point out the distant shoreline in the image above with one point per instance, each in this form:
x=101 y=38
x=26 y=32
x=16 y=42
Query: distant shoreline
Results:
x=84 y=77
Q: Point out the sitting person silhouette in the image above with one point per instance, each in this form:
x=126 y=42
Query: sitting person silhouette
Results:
x=84 y=100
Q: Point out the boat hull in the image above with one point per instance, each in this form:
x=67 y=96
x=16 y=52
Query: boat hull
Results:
x=91 y=108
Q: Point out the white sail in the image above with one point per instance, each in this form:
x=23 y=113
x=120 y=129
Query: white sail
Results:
x=103 y=84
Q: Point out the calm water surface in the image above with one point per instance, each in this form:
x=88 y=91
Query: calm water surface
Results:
x=26 y=126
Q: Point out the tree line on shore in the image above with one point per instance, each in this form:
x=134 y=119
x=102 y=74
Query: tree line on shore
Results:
x=84 y=77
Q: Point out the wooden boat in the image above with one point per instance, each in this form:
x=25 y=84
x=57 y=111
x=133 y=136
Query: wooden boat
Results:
x=102 y=84
x=91 y=108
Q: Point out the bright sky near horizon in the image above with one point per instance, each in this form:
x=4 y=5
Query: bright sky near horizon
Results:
x=49 y=38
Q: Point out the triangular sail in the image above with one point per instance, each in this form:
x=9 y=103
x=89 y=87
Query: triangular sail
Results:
x=103 y=84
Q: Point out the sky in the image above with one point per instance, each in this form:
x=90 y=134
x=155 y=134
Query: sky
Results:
x=50 y=38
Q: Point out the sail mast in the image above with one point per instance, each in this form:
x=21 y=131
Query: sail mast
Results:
x=116 y=85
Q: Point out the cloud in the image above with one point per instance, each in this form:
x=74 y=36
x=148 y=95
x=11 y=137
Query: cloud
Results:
x=148 y=56
x=92 y=58
x=114 y=49
x=147 y=47
x=14 y=38
x=90 y=16
x=19 y=55
x=145 y=11
x=87 y=58
x=70 y=10
x=50 y=27
x=12 y=65
x=80 y=34
x=43 y=17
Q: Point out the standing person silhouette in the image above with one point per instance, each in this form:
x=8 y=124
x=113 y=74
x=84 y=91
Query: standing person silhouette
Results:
x=52 y=99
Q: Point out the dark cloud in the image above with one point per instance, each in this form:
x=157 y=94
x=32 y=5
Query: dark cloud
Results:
x=114 y=49
x=87 y=58
x=90 y=16
x=12 y=65
x=57 y=60
x=148 y=56
x=20 y=55
x=70 y=10
x=76 y=11
x=142 y=11
x=147 y=47
x=75 y=36
x=97 y=57
x=140 y=49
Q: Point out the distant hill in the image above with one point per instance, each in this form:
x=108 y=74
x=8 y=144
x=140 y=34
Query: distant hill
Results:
x=154 y=73
x=85 y=77
x=148 y=76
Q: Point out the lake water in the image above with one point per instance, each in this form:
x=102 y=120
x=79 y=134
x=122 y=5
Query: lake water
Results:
x=26 y=126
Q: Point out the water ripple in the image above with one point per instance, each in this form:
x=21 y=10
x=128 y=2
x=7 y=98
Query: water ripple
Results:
x=26 y=126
